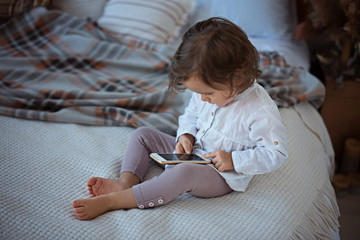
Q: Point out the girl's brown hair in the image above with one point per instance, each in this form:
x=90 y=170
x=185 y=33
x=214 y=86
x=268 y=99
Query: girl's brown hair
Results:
x=217 y=51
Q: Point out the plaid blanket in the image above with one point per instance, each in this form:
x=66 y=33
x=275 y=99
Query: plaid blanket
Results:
x=288 y=85
x=56 y=67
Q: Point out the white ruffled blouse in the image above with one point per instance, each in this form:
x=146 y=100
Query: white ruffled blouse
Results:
x=249 y=127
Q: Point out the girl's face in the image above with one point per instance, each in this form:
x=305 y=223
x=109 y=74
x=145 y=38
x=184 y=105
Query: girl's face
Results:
x=219 y=96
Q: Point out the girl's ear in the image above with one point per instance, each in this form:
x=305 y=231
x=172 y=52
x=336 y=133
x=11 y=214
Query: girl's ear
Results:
x=240 y=82
x=238 y=78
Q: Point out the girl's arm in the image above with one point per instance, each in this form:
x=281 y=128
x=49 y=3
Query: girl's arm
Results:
x=187 y=121
x=270 y=152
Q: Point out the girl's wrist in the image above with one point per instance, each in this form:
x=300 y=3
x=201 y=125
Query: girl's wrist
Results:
x=190 y=137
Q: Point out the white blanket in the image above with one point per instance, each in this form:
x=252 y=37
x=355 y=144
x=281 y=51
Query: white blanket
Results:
x=45 y=166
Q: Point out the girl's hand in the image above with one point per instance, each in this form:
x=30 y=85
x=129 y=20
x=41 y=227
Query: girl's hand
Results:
x=185 y=144
x=221 y=160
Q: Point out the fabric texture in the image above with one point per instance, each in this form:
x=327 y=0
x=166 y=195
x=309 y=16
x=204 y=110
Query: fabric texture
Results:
x=159 y=21
x=45 y=166
x=71 y=71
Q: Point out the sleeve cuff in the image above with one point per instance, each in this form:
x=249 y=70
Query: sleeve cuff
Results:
x=237 y=162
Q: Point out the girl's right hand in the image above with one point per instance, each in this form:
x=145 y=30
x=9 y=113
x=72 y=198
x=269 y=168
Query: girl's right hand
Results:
x=185 y=143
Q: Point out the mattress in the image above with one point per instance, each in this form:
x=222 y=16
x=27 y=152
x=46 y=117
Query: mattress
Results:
x=45 y=167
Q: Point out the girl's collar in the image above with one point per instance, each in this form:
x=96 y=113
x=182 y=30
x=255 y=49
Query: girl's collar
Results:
x=242 y=94
x=246 y=92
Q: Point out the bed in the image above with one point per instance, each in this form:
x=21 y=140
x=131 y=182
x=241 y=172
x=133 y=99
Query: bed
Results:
x=75 y=85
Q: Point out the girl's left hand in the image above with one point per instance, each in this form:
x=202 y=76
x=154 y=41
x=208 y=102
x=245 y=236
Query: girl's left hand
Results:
x=221 y=160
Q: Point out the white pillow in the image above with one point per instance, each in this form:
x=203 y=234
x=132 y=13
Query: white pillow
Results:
x=270 y=19
x=158 y=21
x=81 y=8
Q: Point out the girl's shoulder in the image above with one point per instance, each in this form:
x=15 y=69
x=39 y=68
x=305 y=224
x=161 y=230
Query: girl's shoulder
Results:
x=254 y=94
x=255 y=99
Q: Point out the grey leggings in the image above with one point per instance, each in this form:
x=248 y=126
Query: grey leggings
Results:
x=196 y=179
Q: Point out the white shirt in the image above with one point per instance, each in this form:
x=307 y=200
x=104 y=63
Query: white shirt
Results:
x=249 y=127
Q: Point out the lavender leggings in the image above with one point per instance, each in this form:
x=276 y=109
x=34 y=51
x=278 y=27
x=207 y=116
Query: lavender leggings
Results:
x=198 y=180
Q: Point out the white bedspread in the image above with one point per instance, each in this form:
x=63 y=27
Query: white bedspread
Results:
x=45 y=166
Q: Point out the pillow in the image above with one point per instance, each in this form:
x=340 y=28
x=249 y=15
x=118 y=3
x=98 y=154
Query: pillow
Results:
x=157 y=21
x=81 y=8
x=270 y=19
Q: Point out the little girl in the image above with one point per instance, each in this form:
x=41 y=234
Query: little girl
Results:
x=230 y=119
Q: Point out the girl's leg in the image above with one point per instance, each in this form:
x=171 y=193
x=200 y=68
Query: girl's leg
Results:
x=143 y=141
x=110 y=194
x=198 y=180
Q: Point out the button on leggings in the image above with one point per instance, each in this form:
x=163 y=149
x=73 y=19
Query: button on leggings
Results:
x=196 y=179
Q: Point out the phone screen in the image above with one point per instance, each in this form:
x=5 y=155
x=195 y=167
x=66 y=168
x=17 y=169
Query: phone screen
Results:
x=180 y=156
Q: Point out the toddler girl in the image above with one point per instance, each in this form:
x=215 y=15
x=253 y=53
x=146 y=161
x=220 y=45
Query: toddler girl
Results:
x=230 y=119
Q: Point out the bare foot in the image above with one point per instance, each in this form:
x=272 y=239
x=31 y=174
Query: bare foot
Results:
x=86 y=209
x=99 y=186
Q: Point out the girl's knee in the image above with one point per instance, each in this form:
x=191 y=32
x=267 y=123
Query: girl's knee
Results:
x=200 y=180
x=184 y=171
x=143 y=133
x=152 y=139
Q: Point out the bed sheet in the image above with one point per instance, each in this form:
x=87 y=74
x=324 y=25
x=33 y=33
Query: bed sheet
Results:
x=45 y=167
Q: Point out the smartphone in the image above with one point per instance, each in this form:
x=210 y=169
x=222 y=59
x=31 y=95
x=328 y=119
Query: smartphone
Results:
x=175 y=158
